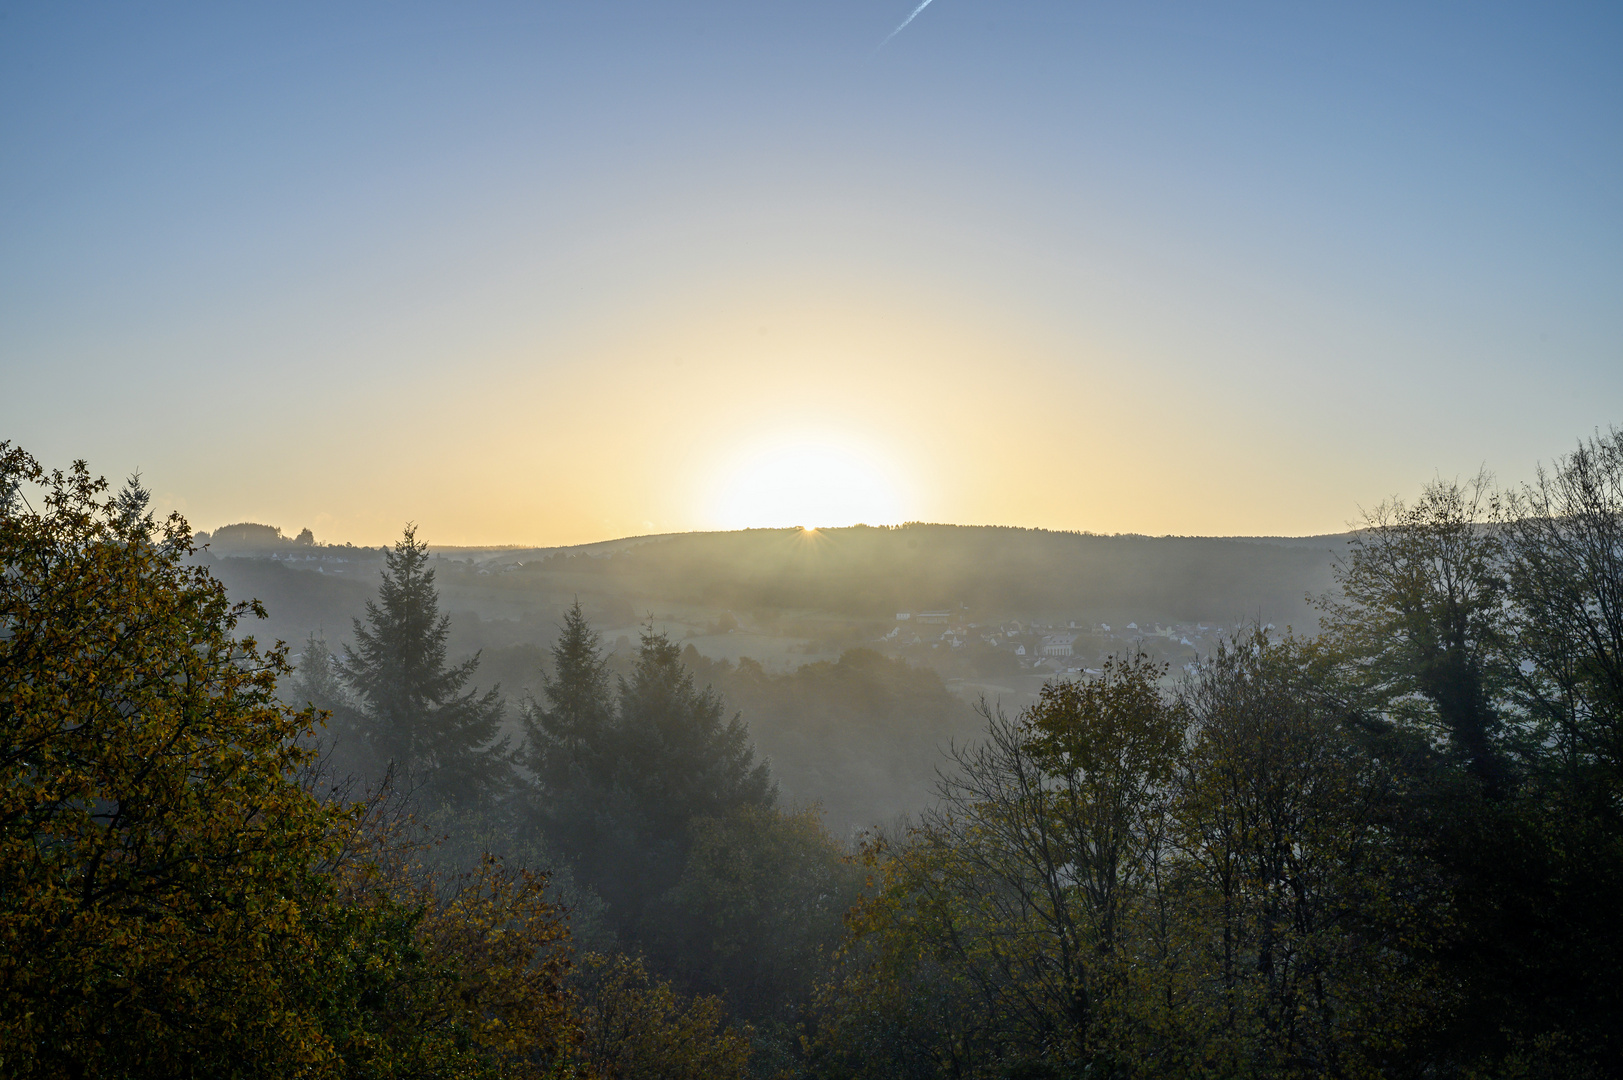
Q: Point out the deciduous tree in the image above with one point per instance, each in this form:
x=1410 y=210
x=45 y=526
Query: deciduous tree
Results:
x=157 y=854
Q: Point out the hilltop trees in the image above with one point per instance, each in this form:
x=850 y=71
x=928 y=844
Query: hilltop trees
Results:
x=414 y=712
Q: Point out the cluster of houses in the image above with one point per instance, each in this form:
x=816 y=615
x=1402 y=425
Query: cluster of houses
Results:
x=1038 y=645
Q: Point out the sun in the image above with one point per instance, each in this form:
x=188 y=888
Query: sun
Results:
x=807 y=482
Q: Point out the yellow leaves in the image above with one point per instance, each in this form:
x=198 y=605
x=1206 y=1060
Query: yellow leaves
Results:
x=156 y=844
x=635 y=1027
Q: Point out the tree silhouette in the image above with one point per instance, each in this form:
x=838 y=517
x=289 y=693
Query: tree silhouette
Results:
x=415 y=713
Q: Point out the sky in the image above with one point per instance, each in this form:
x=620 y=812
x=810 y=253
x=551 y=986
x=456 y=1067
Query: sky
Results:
x=536 y=273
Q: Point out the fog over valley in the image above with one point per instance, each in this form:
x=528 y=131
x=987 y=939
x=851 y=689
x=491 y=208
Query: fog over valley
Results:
x=854 y=655
x=856 y=540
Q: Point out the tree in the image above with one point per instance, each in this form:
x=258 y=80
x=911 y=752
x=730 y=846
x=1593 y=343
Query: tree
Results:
x=415 y=712
x=1296 y=907
x=637 y=1027
x=1556 y=861
x=680 y=757
x=1564 y=540
x=758 y=905
x=174 y=900
x=671 y=757
x=1010 y=909
x=157 y=852
x=567 y=740
x=1419 y=621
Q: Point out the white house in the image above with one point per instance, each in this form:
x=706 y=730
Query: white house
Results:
x=1058 y=644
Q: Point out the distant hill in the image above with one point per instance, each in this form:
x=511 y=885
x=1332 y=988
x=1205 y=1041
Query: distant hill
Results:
x=991 y=571
x=861 y=574
x=799 y=629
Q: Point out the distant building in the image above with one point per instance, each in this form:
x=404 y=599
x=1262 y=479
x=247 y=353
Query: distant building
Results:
x=1058 y=644
x=934 y=616
x=903 y=616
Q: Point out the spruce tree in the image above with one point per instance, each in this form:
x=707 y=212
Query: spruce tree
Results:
x=566 y=740
x=317 y=679
x=680 y=756
x=619 y=780
x=567 y=744
x=415 y=714
x=318 y=682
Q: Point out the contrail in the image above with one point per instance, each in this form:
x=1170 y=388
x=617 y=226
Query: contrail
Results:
x=905 y=21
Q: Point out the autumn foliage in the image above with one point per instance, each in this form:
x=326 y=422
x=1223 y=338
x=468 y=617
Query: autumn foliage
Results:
x=175 y=899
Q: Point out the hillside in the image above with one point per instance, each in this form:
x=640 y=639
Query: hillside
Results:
x=772 y=618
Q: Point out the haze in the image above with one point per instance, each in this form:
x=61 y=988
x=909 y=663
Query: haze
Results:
x=545 y=274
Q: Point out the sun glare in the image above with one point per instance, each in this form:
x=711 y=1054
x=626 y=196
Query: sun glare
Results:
x=810 y=484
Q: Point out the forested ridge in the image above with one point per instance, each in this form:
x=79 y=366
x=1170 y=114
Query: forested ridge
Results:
x=1390 y=848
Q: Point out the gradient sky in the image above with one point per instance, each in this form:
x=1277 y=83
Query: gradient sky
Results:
x=543 y=273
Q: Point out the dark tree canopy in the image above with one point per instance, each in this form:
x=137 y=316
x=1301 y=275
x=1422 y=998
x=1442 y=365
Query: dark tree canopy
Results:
x=1420 y=619
x=415 y=714
x=565 y=739
x=680 y=755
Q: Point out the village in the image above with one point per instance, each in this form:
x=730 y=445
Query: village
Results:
x=1070 y=648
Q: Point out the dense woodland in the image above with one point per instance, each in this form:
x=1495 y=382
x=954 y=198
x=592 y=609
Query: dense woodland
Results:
x=1391 y=848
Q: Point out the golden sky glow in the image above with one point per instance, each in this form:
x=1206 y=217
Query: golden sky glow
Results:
x=813 y=480
x=548 y=274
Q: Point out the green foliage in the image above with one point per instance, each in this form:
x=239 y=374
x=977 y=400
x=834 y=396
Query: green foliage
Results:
x=1124 y=883
x=680 y=755
x=1564 y=539
x=157 y=852
x=414 y=714
x=1006 y=909
x=1291 y=910
x=1396 y=850
x=175 y=901
x=1419 y=622
x=637 y=1027
x=619 y=781
x=757 y=908
x=567 y=738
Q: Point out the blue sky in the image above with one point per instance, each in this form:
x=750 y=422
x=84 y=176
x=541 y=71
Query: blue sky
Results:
x=542 y=273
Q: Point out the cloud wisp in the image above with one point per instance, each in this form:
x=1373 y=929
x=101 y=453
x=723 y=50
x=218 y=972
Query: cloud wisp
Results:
x=905 y=21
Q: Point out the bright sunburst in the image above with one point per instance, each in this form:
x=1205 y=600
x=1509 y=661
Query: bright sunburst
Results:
x=811 y=483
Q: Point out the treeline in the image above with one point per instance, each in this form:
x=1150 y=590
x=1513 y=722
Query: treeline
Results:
x=638 y=791
x=195 y=883
x=1394 y=849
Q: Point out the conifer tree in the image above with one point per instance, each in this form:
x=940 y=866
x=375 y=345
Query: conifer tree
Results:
x=565 y=740
x=415 y=713
x=318 y=682
x=621 y=779
x=680 y=757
